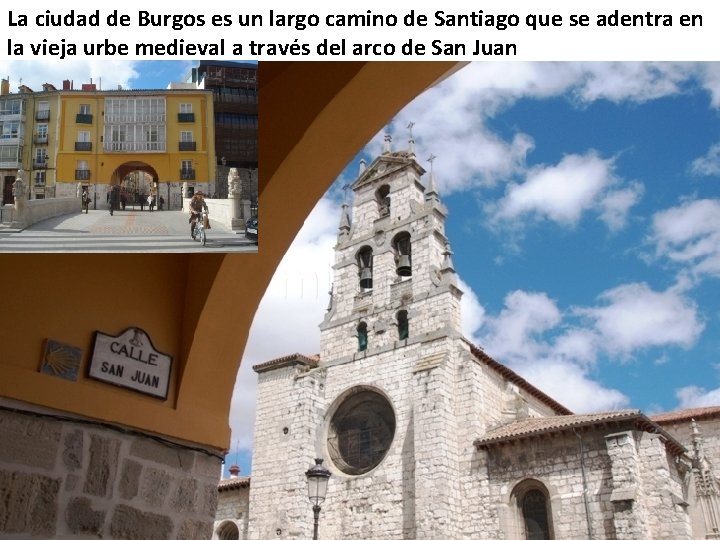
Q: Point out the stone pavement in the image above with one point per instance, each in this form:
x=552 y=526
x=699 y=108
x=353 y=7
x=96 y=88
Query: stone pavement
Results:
x=127 y=231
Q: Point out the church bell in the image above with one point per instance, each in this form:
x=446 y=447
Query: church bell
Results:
x=366 y=278
x=403 y=266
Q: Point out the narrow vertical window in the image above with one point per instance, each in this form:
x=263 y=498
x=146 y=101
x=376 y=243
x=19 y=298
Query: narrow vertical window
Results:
x=365 y=263
x=403 y=254
x=362 y=336
x=382 y=196
x=403 y=325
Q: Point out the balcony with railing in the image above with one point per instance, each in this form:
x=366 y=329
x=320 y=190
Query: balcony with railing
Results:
x=187 y=146
x=134 y=146
x=83 y=146
x=187 y=174
x=42 y=115
x=82 y=174
x=186 y=117
x=84 y=119
x=40 y=181
x=40 y=139
x=40 y=164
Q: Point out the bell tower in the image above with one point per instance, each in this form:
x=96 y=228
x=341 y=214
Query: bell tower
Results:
x=394 y=278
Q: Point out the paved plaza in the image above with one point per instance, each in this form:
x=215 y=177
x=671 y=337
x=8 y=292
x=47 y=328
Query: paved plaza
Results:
x=127 y=231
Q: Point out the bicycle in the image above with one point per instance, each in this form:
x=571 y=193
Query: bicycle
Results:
x=198 y=230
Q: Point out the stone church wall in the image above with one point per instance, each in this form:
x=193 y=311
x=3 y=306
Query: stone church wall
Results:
x=66 y=478
x=631 y=485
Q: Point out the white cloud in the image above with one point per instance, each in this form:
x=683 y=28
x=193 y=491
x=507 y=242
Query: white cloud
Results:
x=473 y=313
x=709 y=164
x=514 y=334
x=636 y=317
x=694 y=396
x=572 y=386
x=563 y=192
x=106 y=74
x=689 y=234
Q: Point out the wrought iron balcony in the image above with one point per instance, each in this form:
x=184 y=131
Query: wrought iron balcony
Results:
x=82 y=174
x=42 y=115
x=186 y=117
x=187 y=145
x=40 y=164
x=84 y=119
x=83 y=146
x=40 y=139
x=187 y=174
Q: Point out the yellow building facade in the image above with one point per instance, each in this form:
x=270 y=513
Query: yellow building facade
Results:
x=144 y=141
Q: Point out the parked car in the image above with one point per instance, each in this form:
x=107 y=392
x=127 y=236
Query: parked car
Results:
x=251 y=229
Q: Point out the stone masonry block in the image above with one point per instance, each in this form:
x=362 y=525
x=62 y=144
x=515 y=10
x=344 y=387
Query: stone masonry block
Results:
x=132 y=524
x=130 y=479
x=207 y=467
x=185 y=497
x=155 y=487
x=82 y=519
x=159 y=453
x=73 y=452
x=103 y=466
x=29 y=441
x=28 y=503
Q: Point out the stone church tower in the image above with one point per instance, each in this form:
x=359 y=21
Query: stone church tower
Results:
x=426 y=436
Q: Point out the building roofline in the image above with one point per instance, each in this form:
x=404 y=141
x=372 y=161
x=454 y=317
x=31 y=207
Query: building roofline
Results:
x=542 y=426
x=514 y=378
x=294 y=359
x=684 y=415
x=228 y=484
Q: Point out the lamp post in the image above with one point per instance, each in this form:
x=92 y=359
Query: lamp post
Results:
x=317 y=477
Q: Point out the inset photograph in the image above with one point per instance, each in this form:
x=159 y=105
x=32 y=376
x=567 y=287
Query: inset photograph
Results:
x=136 y=157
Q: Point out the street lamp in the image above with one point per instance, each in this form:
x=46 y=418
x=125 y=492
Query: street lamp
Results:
x=317 y=477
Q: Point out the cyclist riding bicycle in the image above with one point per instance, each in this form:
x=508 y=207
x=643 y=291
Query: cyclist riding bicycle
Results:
x=197 y=205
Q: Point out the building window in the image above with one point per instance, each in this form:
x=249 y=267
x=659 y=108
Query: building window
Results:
x=362 y=336
x=83 y=144
x=186 y=170
x=186 y=141
x=382 y=196
x=41 y=135
x=9 y=130
x=186 y=113
x=41 y=157
x=228 y=531
x=43 y=111
x=534 y=515
x=82 y=172
x=84 y=116
x=365 y=263
x=403 y=254
x=40 y=178
x=361 y=431
x=403 y=325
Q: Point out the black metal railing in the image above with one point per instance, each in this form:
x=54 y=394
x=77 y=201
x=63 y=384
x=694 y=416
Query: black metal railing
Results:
x=82 y=174
x=42 y=115
x=83 y=146
x=40 y=139
x=84 y=119
x=187 y=174
x=186 y=117
x=187 y=145
x=40 y=164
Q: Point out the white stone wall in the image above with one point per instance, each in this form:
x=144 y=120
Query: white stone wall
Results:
x=233 y=506
x=68 y=479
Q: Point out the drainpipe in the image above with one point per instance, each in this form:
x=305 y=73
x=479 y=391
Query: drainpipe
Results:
x=591 y=535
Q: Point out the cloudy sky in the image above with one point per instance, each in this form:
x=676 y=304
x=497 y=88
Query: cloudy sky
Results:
x=584 y=217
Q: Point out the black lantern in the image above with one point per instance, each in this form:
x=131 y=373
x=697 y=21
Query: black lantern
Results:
x=317 y=477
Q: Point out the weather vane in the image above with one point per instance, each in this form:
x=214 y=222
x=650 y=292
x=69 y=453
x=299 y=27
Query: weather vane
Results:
x=431 y=159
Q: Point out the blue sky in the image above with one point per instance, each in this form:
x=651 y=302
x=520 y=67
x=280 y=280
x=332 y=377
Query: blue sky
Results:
x=584 y=218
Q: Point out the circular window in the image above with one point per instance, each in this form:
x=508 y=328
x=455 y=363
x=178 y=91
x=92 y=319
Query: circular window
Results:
x=361 y=432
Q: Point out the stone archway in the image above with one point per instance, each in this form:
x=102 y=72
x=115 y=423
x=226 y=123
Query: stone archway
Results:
x=136 y=179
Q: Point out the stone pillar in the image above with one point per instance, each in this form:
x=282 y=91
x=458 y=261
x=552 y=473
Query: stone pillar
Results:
x=234 y=194
x=626 y=495
x=20 y=195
